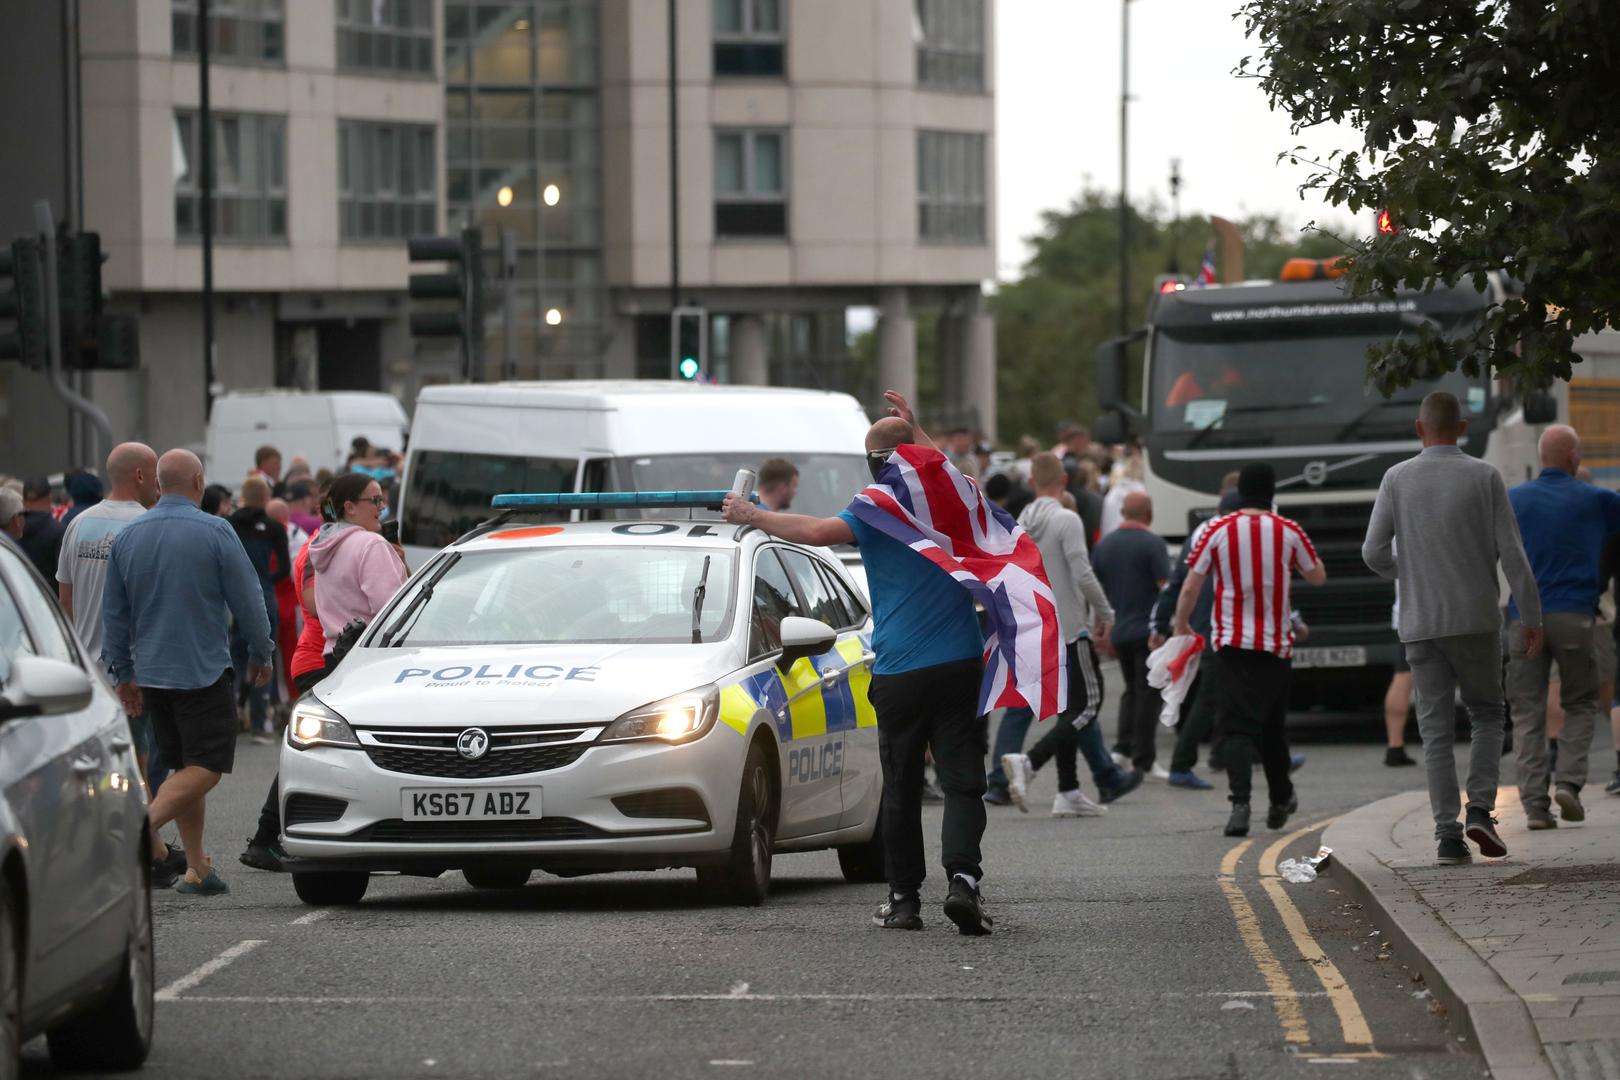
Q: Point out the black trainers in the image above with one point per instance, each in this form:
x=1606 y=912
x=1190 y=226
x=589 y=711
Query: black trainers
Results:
x=965 y=907
x=1130 y=782
x=1481 y=829
x=264 y=856
x=1569 y=803
x=1454 y=851
x=899 y=913
x=1277 y=816
x=1614 y=785
x=176 y=859
x=1396 y=756
x=1238 y=823
x=164 y=875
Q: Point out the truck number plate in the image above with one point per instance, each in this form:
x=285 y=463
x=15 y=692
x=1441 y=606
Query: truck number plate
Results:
x=1331 y=656
x=438 y=804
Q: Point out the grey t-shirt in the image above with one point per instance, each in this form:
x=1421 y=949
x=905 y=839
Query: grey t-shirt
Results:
x=86 y=547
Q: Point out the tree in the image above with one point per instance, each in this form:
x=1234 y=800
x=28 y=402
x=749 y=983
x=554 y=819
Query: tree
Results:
x=1049 y=322
x=1489 y=132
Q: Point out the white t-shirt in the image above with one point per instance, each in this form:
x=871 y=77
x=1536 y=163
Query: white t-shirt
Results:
x=86 y=549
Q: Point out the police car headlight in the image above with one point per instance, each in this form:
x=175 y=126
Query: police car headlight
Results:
x=677 y=719
x=313 y=724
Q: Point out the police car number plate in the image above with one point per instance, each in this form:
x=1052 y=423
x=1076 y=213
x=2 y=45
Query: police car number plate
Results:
x=1331 y=656
x=437 y=804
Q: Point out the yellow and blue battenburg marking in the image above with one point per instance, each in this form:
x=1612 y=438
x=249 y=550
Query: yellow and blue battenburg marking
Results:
x=801 y=707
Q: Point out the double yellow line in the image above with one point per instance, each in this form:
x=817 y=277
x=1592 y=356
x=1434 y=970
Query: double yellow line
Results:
x=1353 y=1027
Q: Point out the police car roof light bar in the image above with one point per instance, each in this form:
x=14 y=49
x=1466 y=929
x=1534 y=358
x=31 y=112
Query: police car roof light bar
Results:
x=615 y=500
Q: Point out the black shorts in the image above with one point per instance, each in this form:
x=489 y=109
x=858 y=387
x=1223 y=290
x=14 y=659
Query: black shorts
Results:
x=1401 y=665
x=195 y=727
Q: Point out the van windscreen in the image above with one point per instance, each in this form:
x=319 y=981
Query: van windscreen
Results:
x=448 y=492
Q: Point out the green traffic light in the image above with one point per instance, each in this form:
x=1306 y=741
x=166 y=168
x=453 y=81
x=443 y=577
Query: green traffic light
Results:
x=689 y=368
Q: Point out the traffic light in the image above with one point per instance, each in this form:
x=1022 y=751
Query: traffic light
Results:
x=22 y=300
x=689 y=343
x=464 y=283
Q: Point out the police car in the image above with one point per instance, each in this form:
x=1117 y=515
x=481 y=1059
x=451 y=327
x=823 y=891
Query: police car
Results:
x=589 y=697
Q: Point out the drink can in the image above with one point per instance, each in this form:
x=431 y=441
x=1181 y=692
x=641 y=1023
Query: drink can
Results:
x=743 y=485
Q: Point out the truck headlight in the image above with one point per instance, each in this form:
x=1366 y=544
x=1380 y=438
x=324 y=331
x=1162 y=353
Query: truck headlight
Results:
x=313 y=724
x=676 y=719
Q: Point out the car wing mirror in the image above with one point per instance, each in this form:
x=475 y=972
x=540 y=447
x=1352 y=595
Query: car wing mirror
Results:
x=40 y=686
x=804 y=637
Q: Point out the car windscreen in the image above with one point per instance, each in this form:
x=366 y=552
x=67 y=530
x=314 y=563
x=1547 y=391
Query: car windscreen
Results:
x=827 y=482
x=565 y=595
x=1260 y=378
x=448 y=492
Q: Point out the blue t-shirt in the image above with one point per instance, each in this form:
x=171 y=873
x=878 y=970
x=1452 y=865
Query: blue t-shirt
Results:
x=920 y=615
x=1564 y=523
x=1131 y=563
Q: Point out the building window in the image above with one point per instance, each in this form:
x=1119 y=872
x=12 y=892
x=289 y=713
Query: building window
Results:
x=750 y=184
x=950 y=187
x=748 y=40
x=241 y=30
x=385 y=181
x=250 y=177
x=385 y=36
x=950 y=44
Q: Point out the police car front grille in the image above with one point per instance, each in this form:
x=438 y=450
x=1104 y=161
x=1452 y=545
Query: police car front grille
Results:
x=419 y=761
x=663 y=803
x=396 y=831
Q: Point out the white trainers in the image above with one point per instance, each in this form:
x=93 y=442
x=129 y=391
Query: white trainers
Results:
x=1019 y=771
x=1075 y=804
x=1120 y=759
x=1159 y=772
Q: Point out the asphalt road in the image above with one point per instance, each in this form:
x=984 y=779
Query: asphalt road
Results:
x=1119 y=952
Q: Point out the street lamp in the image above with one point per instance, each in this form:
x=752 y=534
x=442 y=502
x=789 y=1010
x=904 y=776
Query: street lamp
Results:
x=504 y=196
x=552 y=194
x=553 y=317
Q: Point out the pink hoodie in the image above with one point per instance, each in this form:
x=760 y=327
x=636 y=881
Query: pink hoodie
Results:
x=356 y=572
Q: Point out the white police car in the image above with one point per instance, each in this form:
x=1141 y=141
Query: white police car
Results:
x=590 y=697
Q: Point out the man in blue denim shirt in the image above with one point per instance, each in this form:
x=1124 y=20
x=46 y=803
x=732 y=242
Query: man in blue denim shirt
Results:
x=175 y=577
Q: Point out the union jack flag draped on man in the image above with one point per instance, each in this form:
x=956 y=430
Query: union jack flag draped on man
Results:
x=921 y=500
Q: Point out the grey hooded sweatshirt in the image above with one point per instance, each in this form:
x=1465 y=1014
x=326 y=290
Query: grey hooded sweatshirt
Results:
x=1062 y=540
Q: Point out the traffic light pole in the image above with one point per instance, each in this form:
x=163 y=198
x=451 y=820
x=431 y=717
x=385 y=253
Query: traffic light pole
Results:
x=205 y=151
x=1124 y=151
x=45 y=222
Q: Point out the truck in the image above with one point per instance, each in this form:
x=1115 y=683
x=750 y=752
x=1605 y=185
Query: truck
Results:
x=1276 y=371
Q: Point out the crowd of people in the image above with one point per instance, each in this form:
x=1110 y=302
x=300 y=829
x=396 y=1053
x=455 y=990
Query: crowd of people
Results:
x=200 y=602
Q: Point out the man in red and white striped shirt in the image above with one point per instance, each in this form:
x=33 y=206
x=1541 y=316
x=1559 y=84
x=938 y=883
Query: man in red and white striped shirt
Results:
x=1252 y=554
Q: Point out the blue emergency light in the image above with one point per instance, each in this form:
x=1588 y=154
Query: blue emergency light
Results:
x=615 y=500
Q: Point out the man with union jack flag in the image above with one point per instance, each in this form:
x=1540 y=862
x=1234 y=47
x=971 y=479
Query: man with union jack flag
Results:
x=932 y=545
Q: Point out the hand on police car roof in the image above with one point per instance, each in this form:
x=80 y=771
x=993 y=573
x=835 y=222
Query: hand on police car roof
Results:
x=738 y=511
x=129 y=696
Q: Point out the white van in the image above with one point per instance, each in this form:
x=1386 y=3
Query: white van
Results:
x=319 y=426
x=472 y=442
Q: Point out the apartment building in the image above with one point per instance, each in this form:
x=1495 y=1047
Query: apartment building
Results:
x=827 y=154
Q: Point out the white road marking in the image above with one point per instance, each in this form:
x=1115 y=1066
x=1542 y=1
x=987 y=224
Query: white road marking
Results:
x=730 y=1061
x=312 y=917
x=173 y=991
x=656 y=999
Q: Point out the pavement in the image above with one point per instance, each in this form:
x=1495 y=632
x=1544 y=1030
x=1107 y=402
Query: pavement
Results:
x=1141 y=944
x=1523 y=951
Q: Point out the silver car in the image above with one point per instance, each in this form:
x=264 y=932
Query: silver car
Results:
x=75 y=906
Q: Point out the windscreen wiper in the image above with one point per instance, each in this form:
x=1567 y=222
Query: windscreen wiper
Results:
x=407 y=618
x=697 y=602
x=1203 y=433
x=1365 y=415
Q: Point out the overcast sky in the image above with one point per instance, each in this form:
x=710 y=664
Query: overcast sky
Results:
x=1057 y=115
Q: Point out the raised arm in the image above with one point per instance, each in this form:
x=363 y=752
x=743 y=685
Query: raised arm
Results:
x=794 y=528
x=899 y=407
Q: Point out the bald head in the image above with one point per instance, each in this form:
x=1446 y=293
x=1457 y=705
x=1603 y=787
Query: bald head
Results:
x=1138 y=507
x=278 y=510
x=889 y=433
x=1560 y=448
x=1440 y=419
x=132 y=473
x=179 y=472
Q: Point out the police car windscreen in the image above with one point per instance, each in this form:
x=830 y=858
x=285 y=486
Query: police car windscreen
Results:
x=827 y=482
x=568 y=595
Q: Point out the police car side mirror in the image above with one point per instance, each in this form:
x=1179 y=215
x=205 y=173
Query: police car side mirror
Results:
x=804 y=637
x=40 y=686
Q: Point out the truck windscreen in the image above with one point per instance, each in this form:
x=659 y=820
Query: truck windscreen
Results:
x=1235 y=385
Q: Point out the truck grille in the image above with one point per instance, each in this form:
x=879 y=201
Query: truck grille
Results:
x=397 y=831
x=421 y=761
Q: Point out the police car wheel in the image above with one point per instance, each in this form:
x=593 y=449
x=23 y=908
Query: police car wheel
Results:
x=331 y=889
x=745 y=877
x=496 y=877
x=862 y=863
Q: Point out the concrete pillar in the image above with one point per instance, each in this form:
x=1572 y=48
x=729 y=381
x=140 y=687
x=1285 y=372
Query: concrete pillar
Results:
x=749 y=366
x=948 y=333
x=897 y=345
x=978 y=339
x=619 y=354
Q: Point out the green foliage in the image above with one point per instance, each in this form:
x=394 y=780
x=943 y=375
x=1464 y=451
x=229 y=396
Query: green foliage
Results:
x=1050 y=321
x=1490 y=131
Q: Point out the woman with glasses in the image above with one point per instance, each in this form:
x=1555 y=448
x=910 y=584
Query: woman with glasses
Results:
x=356 y=569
